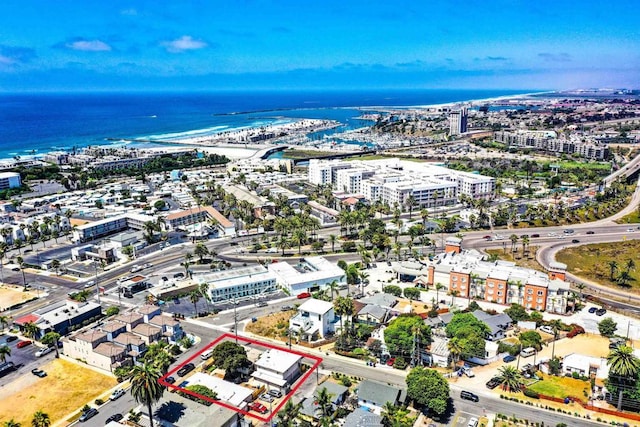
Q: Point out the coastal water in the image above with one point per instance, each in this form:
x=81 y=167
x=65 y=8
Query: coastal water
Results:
x=33 y=124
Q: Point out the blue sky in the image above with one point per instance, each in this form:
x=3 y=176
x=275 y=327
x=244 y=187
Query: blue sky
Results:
x=244 y=44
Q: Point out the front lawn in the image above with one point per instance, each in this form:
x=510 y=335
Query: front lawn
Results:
x=560 y=387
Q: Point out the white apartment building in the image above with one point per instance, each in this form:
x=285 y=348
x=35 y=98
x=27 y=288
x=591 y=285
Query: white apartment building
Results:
x=307 y=275
x=240 y=283
x=9 y=180
x=393 y=181
x=277 y=369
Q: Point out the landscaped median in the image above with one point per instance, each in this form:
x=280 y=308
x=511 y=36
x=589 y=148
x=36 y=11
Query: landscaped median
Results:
x=67 y=387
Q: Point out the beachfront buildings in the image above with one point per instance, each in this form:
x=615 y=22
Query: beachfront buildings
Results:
x=315 y=320
x=393 y=181
x=9 y=180
x=307 y=275
x=239 y=283
x=458 y=122
x=467 y=275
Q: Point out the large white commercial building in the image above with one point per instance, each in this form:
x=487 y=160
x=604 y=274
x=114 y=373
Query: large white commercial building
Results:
x=393 y=181
x=240 y=283
x=307 y=275
x=9 y=180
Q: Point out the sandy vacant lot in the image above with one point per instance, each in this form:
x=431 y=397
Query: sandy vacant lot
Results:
x=67 y=387
x=12 y=295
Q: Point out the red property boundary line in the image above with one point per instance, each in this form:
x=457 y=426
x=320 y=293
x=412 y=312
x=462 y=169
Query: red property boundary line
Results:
x=214 y=343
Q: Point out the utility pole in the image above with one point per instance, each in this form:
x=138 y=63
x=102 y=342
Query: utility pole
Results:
x=95 y=266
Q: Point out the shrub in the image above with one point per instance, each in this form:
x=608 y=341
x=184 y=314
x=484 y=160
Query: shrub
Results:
x=531 y=393
x=346 y=381
x=400 y=363
x=99 y=402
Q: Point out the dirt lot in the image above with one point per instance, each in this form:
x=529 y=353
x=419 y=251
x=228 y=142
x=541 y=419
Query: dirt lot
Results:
x=12 y=295
x=271 y=326
x=67 y=387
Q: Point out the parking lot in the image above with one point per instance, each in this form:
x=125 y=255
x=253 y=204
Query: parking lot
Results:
x=463 y=419
x=24 y=358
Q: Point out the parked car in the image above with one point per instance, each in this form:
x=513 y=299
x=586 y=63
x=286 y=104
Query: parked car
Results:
x=39 y=373
x=473 y=422
x=591 y=232
x=114 y=417
x=178 y=275
x=535 y=235
x=117 y=394
x=493 y=383
x=593 y=309
x=170 y=380
x=148 y=265
x=601 y=312
x=275 y=392
x=89 y=413
x=266 y=397
x=44 y=351
x=286 y=308
x=547 y=329
x=261 y=304
x=24 y=343
x=508 y=358
x=11 y=338
x=391 y=361
x=304 y=295
x=89 y=284
x=186 y=369
x=258 y=407
x=467 y=395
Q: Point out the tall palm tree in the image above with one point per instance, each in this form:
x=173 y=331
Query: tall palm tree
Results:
x=5 y=351
x=625 y=366
x=439 y=287
x=4 y=321
x=194 y=297
x=333 y=238
x=613 y=267
x=40 y=419
x=51 y=338
x=510 y=378
x=145 y=388
x=556 y=325
x=333 y=288
x=289 y=413
x=455 y=350
x=11 y=423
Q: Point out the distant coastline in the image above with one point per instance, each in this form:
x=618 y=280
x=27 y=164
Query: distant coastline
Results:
x=34 y=125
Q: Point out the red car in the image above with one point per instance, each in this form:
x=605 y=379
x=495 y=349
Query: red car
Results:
x=304 y=295
x=258 y=407
x=24 y=343
x=391 y=361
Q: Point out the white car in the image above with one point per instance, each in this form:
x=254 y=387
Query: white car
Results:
x=117 y=394
x=547 y=329
x=473 y=422
x=44 y=351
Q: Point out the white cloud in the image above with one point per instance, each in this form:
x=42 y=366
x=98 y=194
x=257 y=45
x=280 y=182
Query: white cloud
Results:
x=89 y=45
x=183 y=43
x=129 y=12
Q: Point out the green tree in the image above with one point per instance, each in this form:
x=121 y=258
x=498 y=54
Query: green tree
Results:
x=4 y=322
x=145 y=388
x=624 y=368
x=400 y=334
x=31 y=330
x=393 y=290
x=40 y=419
x=112 y=311
x=5 y=351
x=11 y=423
x=200 y=251
x=202 y=391
x=230 y=357
x=510 y=378
x=412 y=293
x=531 y=339
x=517 y=313
x=323 y=398
x=607 y=327
x=51 y=339
x=343 y=307
x=470 y=333
x=429 y=389
x=287 y=415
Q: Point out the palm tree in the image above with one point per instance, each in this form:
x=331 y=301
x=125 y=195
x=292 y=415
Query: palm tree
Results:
x=333 y=238
x=4 y=321
x=40 y=419
x=5 y=351
x=333 y=287
x=31 y=330
x=455 y=350
x=343 y=306
x=200 y=251
x=613 y=267
x=514 y=240
x=289 y=413
x=510 y=378
x=630 y=265
x=299 y=237
x=11 y=423
x=323 y=398
x=556 y=325
x=145 y=388
x=623 y=362
x=581 y=287
x=204 y=291
x=55 y=264
x=439 y=287
x=51 y=339
x=194 y=297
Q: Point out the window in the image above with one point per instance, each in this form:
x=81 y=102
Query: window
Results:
x=529 y=291
x=499 y=293
x=540 y=293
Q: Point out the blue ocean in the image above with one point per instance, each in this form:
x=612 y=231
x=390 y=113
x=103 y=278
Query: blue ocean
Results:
x=33 y=124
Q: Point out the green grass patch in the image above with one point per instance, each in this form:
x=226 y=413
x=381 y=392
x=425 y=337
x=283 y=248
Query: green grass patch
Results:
x=629 y=219
x=568 y=165
x=305 y=154
x=560 y=387
x=593 y=262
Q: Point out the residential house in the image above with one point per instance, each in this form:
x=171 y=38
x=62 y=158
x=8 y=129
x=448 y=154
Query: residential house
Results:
x=372 y=314
x=362 y=418
x=497 y=323
x=315 y=319
x=374 y=395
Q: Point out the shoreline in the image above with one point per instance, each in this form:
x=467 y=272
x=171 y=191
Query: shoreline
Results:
x=285 y=133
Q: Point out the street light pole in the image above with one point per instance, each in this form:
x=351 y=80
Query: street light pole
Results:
x=95 y=266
